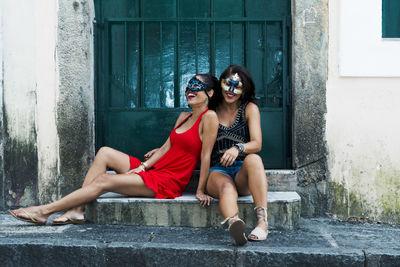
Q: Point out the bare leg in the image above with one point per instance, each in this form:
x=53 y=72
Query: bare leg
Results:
x=128 y=184
x=221 y=186
x=105 y=158
x=252 y=179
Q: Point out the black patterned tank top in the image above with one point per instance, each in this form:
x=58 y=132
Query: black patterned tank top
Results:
x=227 y=137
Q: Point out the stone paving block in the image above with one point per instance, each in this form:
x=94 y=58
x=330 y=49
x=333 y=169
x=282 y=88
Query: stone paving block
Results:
x=283 y=211
x=299 y=257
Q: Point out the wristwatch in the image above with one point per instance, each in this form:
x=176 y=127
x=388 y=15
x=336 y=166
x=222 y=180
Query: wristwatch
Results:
x=240 y=147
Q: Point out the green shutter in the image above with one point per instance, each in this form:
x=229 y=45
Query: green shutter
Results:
x=391 y=18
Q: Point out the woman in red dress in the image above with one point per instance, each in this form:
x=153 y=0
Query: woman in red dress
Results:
x=164 y=175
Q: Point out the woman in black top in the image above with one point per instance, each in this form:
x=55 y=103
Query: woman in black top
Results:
x=236 y=169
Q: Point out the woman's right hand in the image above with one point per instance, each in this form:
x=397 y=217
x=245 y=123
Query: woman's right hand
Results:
x=203 y=198
x=150 y=153
x=229 y=156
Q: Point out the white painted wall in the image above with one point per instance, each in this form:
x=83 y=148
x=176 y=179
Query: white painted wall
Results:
x=362 y=121
x=30 y=82
x=47 y=92
x=19 y=67
x=2 y=180
x=363 y=51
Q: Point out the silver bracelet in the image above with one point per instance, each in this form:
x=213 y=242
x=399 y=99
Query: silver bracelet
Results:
x=240 y=147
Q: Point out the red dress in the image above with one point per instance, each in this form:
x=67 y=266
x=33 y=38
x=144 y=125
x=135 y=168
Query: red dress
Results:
x=171 y=173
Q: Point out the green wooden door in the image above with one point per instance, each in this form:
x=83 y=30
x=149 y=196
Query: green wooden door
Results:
x=147 y=50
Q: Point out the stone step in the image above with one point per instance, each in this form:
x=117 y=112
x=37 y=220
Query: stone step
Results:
x=318 y=242
x=278 y=180
x=111 y=208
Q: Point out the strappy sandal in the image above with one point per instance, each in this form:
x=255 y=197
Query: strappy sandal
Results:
x=67 y=221
x=237 y=230
x=259 y=234
x=30 y=219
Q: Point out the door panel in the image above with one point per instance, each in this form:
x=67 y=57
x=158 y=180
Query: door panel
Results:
x=146 y=51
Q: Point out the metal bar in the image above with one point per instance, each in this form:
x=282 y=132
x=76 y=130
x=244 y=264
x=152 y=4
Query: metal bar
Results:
x=230 y=44
x=246 y=43
x=109 y=69
x=176 y=70
x=266 y=76
x=196 y=54
x=162 y=94
x=125 y=109
x=285 y=87
x=107 y=58
x=142 y=89
x=212 y=19
x=212 y=8
x=125 y=59
x=212 y=49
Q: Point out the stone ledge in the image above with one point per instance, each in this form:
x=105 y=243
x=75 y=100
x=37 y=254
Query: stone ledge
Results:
x=278 y=180
x=283 y=211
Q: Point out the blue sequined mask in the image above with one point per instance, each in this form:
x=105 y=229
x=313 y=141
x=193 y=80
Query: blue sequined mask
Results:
x=195 y=85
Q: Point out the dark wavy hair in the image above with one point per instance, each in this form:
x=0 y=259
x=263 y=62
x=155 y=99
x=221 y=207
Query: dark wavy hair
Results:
x=211 y=82
x=247 y=81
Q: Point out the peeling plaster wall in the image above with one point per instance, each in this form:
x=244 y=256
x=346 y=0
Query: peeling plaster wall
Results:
x=19 y=96
x=47 y=85
x=2 y=177
x=47 y=107
x=362 y=133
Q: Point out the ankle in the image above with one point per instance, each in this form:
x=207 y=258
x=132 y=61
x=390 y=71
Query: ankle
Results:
x=45 y=211
x=231 y=219
x=79 y=209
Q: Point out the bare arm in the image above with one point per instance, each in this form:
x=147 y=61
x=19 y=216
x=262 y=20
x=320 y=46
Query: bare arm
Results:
x=254 y=123
x=209 y=135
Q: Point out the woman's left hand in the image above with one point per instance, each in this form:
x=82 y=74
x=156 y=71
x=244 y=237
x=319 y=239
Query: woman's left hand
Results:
x=229 y=157
x=204 y=198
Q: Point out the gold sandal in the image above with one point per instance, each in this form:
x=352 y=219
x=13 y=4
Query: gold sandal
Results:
x=237 y=229
x=259 y=234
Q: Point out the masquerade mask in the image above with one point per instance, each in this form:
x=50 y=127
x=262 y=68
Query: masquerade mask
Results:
x=233 y=84
x=195 y=85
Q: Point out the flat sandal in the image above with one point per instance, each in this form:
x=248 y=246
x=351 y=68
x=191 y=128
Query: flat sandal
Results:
x=259 y=234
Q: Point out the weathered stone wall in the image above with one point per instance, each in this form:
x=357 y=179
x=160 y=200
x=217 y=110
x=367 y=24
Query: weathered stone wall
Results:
x=362 y=134
x=75 y=110
x=309 y=75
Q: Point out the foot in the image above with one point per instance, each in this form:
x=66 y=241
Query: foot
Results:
x=260 y=232
x=70 y=217
x=31 y=214
x=237 y=230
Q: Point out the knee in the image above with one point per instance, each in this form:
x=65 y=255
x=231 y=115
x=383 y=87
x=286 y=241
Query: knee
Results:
x=101 y=182
x=103 y=153
x=253 y=160
x=227 y=189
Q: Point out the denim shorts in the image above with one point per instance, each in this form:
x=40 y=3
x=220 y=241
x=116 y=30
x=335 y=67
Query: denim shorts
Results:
x=230 y=170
